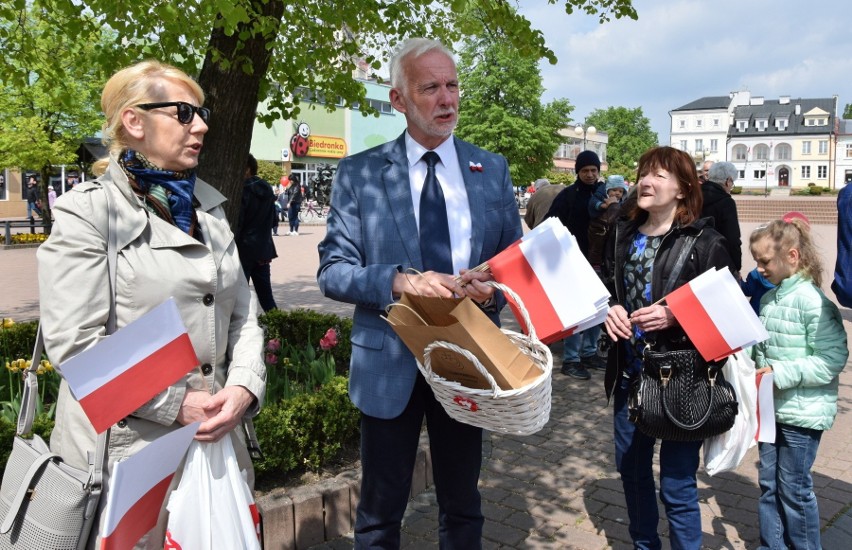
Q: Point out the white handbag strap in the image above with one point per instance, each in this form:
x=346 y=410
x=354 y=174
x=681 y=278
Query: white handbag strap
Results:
x=30 y=390
x=23 y=489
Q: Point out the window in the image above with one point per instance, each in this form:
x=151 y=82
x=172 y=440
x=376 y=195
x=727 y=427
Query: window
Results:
x=699 y=123
x=781 y=124
x=740 y=152
x=849 y=150
x=806 y=172
x=822 y=171
x=761 y=152
x=682 y=124
x=699 y=145
x=806 y=147
x=715 y=123
x=742 y=125
x=759 y=174
x=740 y=174
x=820 y=122
x=683 y=145
x=761 y=125
x=823 y=146
x=714 y=145
x=783 y=152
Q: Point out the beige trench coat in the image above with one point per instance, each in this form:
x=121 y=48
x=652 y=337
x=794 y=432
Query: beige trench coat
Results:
x=156 y=260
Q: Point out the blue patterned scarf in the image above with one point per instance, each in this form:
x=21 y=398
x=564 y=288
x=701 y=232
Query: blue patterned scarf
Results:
x=179 y=186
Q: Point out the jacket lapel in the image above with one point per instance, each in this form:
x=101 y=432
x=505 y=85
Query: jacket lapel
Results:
x=474 y=184
x=398 y=190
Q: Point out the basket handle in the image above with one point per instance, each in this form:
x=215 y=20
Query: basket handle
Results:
x=520 y=303
x=427 y=362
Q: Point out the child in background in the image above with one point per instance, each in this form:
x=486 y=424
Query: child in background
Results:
x=603 y=212
x=755 y=285
x=806 y=351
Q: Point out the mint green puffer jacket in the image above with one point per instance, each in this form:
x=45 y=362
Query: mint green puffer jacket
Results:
x=806 y=350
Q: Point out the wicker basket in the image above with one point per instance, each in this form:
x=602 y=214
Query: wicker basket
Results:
x=521 y=411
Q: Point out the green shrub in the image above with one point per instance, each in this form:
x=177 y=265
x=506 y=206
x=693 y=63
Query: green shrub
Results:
x=17 y=339
x=736 y=190
x=302 y=326
x=305 y=432
x=42 y=425
x=815 y=190
x=560 y=178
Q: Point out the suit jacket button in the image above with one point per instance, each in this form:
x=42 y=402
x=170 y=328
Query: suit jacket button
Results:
x=207 y=300
x=206 y=369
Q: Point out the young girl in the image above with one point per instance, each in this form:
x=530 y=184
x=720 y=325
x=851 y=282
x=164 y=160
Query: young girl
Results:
x=806 y=351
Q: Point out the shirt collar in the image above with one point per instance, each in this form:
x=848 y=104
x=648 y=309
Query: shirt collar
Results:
x=414 y=151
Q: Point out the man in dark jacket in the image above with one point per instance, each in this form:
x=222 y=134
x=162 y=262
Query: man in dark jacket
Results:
x=254 y=233
x=571 y=206
x=719 y=205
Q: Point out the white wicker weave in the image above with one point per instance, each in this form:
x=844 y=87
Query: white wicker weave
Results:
x=521 y=411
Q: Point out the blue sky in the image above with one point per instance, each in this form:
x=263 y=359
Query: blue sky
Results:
x=681 y=50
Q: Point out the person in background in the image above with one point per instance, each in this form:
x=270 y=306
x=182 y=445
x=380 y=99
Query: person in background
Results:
x=254 y=233
x=842 y=283
x=603 y=212
x=640 y=261
x=32 y=198
x=540 y=201
x=174 y=241
x=51 y=196
x=719 y=205
x=295 y=196
x=571 y=206
x=705 y=171
x=806 y=352
x=414 y=203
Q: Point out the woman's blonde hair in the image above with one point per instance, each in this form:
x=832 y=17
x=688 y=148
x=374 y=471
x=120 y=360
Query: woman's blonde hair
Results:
x=139 y=83
x=795 y=233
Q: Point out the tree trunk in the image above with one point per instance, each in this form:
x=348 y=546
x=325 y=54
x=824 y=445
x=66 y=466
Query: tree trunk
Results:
x=232 y=96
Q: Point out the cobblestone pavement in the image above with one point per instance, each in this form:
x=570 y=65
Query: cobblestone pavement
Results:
x=557 y=488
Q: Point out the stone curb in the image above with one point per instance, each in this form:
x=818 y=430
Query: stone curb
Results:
x=301 y=517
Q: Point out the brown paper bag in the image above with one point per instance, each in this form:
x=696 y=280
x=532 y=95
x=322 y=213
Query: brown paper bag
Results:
x=419 y=321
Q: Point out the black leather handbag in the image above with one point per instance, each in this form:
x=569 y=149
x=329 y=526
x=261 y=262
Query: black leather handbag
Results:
x=681 y=397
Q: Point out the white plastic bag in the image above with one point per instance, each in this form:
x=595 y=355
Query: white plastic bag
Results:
x=724 y=452
x=212 y=508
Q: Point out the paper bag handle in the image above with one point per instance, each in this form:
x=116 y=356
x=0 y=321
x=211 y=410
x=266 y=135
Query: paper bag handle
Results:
x=406 y=306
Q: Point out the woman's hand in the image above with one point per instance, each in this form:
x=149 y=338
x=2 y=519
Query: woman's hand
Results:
x=653 y=318
x=763 y=370
x=618 y=323
x=218 y=413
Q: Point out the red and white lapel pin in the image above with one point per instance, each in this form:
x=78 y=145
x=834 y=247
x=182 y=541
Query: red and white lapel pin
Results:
x=475 y=167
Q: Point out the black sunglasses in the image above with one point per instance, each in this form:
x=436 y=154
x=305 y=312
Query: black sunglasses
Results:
x=185 y=111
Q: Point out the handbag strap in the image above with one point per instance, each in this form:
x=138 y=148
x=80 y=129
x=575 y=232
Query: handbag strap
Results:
x=682 y=257
x=23 y=489
x=30 y=390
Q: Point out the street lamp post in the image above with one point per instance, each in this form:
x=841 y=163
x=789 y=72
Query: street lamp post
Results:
x=585 y=131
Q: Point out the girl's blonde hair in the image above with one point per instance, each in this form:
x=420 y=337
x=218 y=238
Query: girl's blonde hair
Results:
x=793 y=234
x=139 y=83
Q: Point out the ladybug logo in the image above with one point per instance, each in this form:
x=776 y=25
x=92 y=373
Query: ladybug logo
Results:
x=299 y=141
x=465 y=402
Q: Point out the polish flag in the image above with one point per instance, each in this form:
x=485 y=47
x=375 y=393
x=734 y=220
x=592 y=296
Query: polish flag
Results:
x=716 y=315
x=124 y=371
x=765 y=408
x=138 y=488
x=555 y=282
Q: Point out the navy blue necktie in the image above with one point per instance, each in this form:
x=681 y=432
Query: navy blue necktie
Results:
x=435 y=246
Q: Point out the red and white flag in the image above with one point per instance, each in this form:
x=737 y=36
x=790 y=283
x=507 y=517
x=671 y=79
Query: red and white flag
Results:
x=716 y=315
x=136 y=363
x=138 y=488
x=765 y=408
x=558 y=286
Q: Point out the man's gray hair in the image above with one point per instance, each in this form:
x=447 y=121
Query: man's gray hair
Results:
x=721 y=171
x=412 y=47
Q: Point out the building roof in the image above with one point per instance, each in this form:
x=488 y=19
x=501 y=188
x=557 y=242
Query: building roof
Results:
x=707 y=103
x=773 y=109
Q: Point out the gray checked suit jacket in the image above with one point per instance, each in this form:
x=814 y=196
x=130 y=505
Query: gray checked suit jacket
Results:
x=372 y=235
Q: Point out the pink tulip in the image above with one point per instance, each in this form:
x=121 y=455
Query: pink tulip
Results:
x=273 y=345
x=271 y=359
x=329 y=340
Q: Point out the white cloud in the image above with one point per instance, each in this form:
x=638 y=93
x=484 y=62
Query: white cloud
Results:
x=681 y=50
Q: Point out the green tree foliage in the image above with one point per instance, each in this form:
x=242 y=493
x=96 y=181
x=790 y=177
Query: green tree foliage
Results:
x=50 y=101
x=847 y=111
x=501 y=108
x=630 y=135
x=246 y=51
